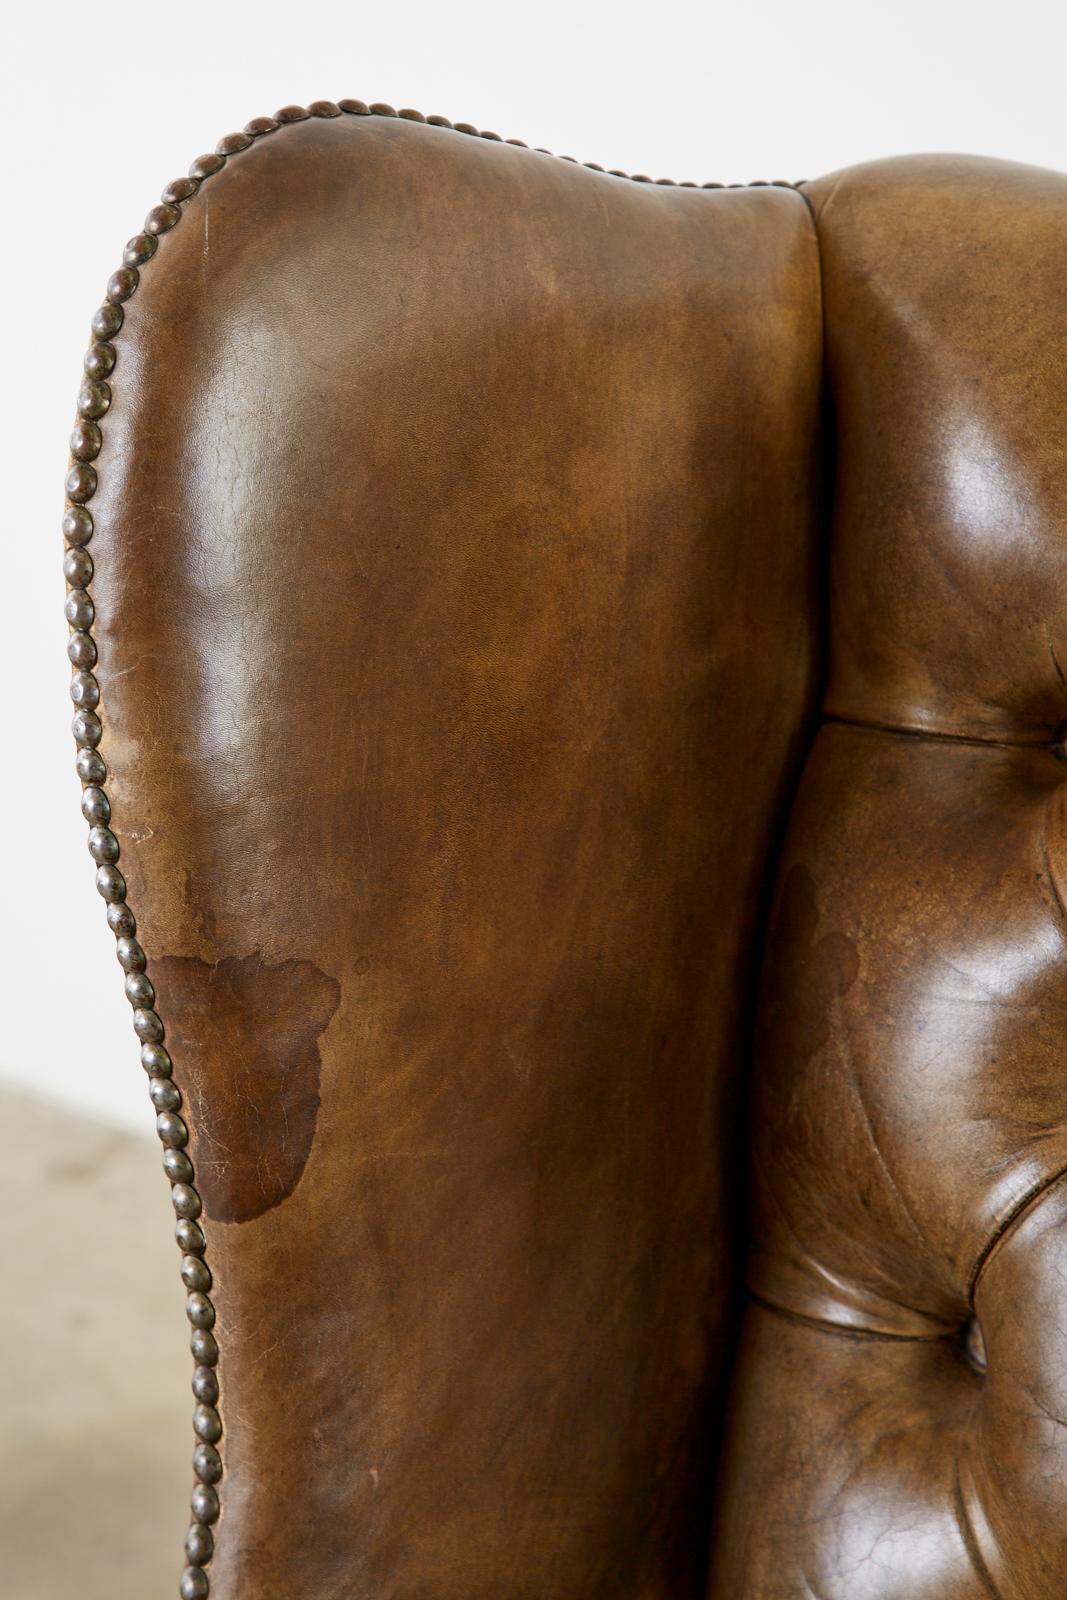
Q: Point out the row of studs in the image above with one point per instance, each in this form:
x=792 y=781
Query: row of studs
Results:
x=380 y=109
x=86 y=440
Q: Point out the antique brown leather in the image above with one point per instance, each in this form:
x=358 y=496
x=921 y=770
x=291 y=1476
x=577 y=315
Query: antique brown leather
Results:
x=476 y=535
x=910 y=1113
x=457 y=581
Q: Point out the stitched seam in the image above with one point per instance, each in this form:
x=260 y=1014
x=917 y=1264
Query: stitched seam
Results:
x=1015 y=1215
x=967 y=1533
x=847 y=1330
x=94 y=401
x=1046 y=862
x=903 y=732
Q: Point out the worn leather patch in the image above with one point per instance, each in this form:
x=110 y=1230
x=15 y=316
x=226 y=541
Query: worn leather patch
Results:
x=244 y=1035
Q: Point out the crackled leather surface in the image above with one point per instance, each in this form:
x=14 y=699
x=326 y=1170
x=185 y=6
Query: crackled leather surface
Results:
x=460 y=593
x=910 y=1103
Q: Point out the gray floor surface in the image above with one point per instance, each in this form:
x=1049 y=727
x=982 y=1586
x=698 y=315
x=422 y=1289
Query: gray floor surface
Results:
x=95 y=1406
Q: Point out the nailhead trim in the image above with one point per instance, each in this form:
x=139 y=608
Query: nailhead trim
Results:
x=94 y=400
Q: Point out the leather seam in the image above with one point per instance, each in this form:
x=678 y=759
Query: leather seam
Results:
x=901 y=731
x=967 y=1534
x=845 y=1330
x=1046 y=862
x=1007 y=1224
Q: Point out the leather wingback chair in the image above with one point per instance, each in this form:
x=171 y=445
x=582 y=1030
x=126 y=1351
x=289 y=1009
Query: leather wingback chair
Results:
x=537 y=610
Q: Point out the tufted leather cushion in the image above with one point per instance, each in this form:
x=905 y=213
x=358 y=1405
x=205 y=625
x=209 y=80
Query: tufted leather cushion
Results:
x=910 y=1114
x=474 y=538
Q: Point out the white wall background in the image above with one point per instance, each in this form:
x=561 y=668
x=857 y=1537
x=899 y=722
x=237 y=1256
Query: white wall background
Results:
x=103 y=106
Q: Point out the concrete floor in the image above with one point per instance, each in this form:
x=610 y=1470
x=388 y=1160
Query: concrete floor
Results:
x=95 y=1406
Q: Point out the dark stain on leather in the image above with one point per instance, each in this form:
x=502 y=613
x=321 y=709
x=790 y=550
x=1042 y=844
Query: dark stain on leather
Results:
x=244 y=1035
x=829 y=965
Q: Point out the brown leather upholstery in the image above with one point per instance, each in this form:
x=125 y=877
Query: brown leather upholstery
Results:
x=462 y=537
x=910 y=1116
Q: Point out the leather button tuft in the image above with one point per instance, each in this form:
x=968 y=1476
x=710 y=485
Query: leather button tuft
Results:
x=974 y=1345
